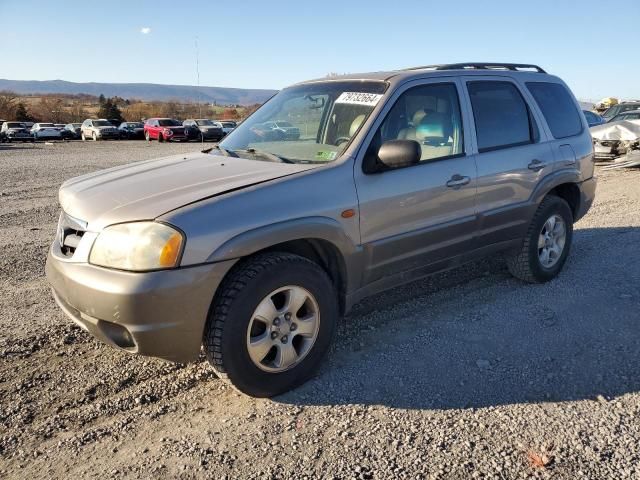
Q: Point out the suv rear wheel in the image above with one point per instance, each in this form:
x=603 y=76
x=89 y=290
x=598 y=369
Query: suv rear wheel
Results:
x=547 y=243
x=271 y=324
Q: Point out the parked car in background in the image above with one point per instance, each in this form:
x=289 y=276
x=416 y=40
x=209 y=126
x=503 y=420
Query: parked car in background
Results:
x=45 y=131
x=611 y=112
x=282 y=129
x=593 y=119
x=227 y=126
x=203 y=129
x=628 y=115
x=72 y=131
x=59 y=125
x=114 y=121
x=69 y=132
x=256 y=257
x=131 y=130
x=15 y=132
x=98 y=129
x=164 y=129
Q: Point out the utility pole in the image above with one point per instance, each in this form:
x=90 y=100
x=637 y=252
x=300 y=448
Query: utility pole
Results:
x=198 y=78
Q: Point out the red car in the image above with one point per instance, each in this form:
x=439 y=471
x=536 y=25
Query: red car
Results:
x=162 y=129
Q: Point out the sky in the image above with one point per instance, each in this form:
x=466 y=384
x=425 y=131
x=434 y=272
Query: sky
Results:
x=591 y=44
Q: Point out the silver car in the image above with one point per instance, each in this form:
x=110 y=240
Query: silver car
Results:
x=255 y=248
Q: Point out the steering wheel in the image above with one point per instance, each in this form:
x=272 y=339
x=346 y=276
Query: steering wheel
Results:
x=340 y=140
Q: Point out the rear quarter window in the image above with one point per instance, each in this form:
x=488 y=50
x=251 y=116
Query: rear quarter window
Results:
x=558 y=108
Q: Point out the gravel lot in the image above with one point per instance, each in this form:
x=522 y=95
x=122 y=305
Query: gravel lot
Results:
x=468 y=374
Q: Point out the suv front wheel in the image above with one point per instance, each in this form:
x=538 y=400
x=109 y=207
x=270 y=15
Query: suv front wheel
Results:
x=271 y=324
x=547 y=243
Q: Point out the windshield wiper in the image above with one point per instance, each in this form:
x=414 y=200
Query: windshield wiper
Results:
x=271 y=156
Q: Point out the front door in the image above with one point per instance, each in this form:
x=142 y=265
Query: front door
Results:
x=419 y=215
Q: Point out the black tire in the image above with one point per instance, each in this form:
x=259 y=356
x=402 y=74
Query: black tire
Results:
x=225 y=337
x=160 y=138
x=526 y=264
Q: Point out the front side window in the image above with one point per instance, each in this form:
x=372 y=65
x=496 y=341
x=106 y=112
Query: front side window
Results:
x=501 y=115
x=558 y=108
x=308 y=123
x=429 y=115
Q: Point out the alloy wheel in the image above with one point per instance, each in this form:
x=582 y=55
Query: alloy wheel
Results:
x=551 y=241
x=283 y=329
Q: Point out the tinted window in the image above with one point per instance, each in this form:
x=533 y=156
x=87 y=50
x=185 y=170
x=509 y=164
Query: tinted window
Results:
x=501 y=115
x=558 y=108
x=429 y=115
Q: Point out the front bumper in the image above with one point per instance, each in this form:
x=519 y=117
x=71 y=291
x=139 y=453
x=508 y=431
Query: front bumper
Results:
x=160 y=314
x=211 y=135
x=17 y=136
x=108 y=134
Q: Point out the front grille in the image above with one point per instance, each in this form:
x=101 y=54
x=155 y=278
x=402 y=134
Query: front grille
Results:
x=70 y=232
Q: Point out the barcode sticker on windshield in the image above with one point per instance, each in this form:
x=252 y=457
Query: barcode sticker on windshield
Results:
x=359 y=98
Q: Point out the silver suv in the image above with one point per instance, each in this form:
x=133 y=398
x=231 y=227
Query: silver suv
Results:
x=256 y=247
x=98 y=129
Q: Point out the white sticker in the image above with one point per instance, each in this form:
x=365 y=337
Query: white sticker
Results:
x=359 y=98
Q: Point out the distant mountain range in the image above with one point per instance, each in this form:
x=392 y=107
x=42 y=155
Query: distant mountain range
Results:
x=142 y=91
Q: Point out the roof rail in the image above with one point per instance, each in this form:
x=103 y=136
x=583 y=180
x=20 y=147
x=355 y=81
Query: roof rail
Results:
x=481 y=66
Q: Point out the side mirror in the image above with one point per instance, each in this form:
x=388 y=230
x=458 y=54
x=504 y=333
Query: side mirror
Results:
x=400 y=153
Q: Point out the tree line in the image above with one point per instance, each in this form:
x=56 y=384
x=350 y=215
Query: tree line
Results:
x=77 y=108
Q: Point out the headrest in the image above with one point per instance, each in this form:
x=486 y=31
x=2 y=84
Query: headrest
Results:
x=435 y=126
x=355 y=125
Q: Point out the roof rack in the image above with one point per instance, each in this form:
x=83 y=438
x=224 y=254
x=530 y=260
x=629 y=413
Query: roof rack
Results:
x=481 y=66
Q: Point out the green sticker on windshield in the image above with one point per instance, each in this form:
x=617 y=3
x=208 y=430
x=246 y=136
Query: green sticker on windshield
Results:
x=327 y=155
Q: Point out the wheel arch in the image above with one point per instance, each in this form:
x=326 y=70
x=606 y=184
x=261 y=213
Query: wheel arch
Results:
x=563 y=184
x=319 y=239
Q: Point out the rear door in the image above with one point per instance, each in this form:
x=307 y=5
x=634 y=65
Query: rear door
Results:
x=565 y=126
x=512 y=155
x=423 y=214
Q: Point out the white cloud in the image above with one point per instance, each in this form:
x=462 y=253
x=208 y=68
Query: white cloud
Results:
x=145 y=30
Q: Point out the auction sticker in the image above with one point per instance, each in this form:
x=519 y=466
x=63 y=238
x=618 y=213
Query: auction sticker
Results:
x=359 y=98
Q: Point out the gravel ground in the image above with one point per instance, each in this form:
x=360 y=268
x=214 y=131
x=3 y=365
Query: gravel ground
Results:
x=468 y=374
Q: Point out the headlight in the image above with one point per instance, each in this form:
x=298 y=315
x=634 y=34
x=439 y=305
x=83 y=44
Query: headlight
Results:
x=168 y=132
x=137 y=247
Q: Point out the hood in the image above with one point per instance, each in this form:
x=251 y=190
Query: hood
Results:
x=146 y=190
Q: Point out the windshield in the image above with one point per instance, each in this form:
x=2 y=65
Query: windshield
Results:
x=204 y=122
x=76 y=125
x=15 y=125
x=45 y=125
x=169 y=122
x=135 y=125
x=101 y=123
x=309 y=123
x=228 y=124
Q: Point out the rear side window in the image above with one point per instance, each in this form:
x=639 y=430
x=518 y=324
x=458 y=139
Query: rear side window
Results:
x=558 y=108
x=501 y=115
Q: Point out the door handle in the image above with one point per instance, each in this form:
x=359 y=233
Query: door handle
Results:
x=536 y=165
x=457 y=181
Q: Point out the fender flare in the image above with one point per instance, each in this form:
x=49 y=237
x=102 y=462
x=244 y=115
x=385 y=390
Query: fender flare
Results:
x=306 y=228
x=551 y=181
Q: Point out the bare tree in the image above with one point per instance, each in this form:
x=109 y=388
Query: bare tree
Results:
x=8 y=104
